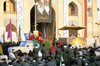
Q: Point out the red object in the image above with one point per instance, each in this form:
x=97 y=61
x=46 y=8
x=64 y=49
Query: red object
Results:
x=53 y=49
x=37 y=38
x=85 y=18
x=41 y=34
x=30 y=37
x=59 y=44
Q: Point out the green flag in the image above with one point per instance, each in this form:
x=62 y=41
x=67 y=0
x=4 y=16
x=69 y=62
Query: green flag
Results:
x=36 y=42
x=61 y=58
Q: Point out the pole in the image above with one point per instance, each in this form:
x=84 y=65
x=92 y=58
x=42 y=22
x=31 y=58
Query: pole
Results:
x=35 y=16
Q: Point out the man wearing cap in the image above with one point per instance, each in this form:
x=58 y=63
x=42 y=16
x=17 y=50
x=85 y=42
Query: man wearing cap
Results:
x=40 y=64
x=58 y=52
x=64 y=50
x=50 y=63
x=35 y=53
x=44 y=52
x=70 y=54
x=25 y=63
x=17 y=63
x=34 y=63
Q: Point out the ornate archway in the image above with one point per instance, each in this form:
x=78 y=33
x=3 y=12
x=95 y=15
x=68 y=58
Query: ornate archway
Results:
x=73 y=9
x=14 y=29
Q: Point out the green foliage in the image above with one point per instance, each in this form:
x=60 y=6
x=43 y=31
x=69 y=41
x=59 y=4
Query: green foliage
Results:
x=47 y=45
x=1 y=51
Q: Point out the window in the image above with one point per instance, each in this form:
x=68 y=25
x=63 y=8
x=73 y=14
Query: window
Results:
x=9 y=6
x=4 y=6
x=73 y=9
x=23 y=43
x=89 y=12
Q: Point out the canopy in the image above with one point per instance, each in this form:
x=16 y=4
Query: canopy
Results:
x=72 y=28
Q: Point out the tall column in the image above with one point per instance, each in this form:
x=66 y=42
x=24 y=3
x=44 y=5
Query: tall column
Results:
x=66 y=23
x=1 y=13
x=85 y=18
x=26 y=15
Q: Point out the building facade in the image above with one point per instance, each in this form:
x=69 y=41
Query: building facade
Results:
x=8 y=9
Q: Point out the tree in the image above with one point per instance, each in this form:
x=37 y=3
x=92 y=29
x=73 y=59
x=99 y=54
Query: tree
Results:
x=47 y=45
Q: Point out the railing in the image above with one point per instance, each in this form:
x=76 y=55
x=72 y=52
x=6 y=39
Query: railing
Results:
x=8 y=12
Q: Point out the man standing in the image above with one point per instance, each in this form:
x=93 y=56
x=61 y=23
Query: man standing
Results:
x=53 y=50
x=64 y=50
x=35 y=52
x=70 y=54
x=44 y=52
x=58 y=52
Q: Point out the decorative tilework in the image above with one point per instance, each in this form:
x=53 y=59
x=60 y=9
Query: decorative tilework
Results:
x=66 y=32
x=13 y=21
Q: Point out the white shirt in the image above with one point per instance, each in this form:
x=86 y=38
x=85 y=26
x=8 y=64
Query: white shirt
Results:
x=47 y=9
x=40 y=9
x=11 y=55
x=80 y=53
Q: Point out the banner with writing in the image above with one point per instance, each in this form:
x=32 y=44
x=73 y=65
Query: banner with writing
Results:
x=20 y=19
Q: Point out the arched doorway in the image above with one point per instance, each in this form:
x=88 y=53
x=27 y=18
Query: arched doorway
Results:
x=14 y=33
x=50 y=28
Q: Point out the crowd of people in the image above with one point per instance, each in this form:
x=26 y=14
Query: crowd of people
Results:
x=70 y=56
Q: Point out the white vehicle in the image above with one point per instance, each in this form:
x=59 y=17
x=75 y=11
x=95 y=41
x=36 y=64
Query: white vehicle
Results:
x=25 y=46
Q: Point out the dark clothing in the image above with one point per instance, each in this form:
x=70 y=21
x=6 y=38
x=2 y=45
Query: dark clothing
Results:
x=34 y=63
x=35 y=54
x=58 y=52
x=44 y=53
x=79 y=62
x=20 y=54
x=30 y=54
x=50 y=64
x=91 y=52
x=57 y=62
x=92 y=64
x=75 y=52
x=64 y=50
x=84 y=61
x=70 y=54
x=97 y=63
x=25 y=64
x=17 y=64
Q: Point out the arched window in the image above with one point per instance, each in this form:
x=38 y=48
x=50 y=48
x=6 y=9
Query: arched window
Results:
x=9 y=6
x=73 y=9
